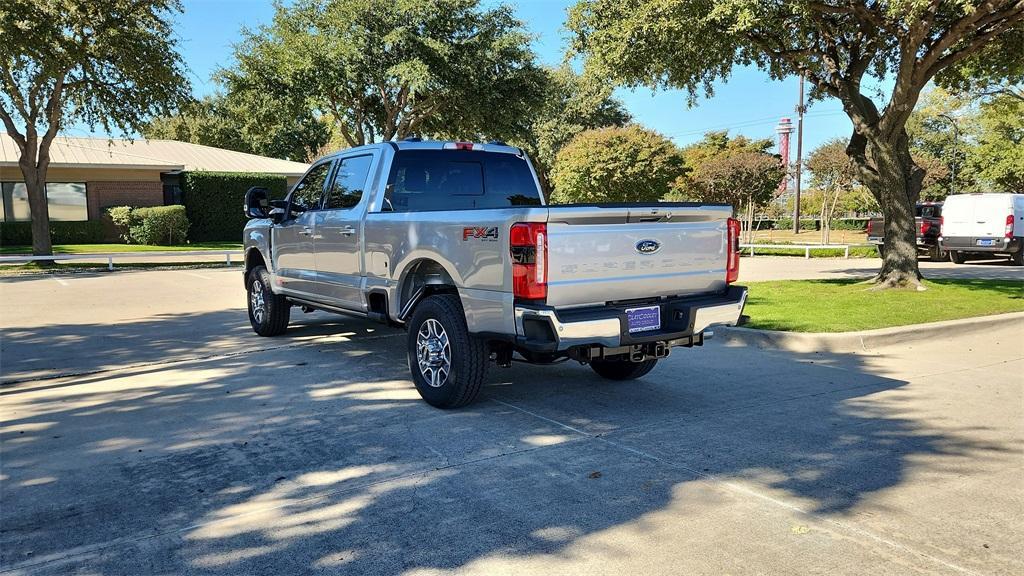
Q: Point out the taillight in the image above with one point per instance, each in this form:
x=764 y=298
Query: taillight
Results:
x=732 y=269
x=528 y=246
x=925 y=227
x=1009 y=225
x=870 y=226
x=942 y=225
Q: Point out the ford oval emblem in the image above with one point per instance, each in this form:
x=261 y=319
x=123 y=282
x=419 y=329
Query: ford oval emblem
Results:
x=648 y=246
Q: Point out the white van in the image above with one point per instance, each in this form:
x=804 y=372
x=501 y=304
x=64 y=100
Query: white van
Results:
x=983 y=226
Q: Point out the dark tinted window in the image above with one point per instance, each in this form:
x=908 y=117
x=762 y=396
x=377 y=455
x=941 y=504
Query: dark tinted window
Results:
x=459 y=179
x=349 y=183
x=929 y=210
x=309 y=191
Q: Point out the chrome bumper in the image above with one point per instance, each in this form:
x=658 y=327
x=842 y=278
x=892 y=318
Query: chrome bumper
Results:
x=606 y=327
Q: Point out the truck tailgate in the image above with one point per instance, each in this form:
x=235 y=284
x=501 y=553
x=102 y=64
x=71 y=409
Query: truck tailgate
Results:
x=598 y=254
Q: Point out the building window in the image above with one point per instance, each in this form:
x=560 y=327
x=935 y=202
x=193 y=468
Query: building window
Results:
x=66 y=201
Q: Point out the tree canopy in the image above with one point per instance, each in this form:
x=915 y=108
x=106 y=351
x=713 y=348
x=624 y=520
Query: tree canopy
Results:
x=379 y=70
x=836 y=45
x=234 y=124
x=109 y=64
x=628 y=164
x=572 y=104
x=738 y=171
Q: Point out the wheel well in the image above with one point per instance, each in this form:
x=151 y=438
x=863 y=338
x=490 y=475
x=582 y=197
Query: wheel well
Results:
x=378 y=302
x=425 y=277
x=253 y=259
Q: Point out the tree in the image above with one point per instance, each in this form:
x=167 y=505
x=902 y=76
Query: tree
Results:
x=630 y=164
x=108 y=64
x=941 y=130
x=572 y=104
x=379 y=70
x=998 y=158
x=833 y=173
x=234 y=124
x=836 y=45
x=737 y=171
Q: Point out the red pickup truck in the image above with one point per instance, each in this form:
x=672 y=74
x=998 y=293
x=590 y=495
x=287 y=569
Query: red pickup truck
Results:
x=928 y=216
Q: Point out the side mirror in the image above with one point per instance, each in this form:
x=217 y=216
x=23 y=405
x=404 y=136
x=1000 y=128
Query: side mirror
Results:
x=257 y=203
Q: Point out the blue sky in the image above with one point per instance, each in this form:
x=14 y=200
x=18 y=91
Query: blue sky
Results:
x=749 y=103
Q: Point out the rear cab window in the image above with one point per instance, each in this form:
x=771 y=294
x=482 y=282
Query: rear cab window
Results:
x=426 y=180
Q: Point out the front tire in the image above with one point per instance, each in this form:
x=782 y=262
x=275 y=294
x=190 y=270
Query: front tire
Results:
x=448 y=365
x=268 y=312
x=622 y=369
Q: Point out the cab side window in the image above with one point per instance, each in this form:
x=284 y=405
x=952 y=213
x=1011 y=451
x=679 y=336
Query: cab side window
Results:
x=309 y=191
x=349 y=183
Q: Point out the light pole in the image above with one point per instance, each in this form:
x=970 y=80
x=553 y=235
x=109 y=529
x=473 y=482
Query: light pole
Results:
x=800 y=109
x=956 y=143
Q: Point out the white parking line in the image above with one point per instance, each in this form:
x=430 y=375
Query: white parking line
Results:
x=59 y=281
x=196 y=275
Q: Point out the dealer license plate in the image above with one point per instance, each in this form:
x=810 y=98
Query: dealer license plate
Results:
x=644 y=319
x=986 y=242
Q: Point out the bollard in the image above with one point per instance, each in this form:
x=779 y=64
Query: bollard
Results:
x=110 y=263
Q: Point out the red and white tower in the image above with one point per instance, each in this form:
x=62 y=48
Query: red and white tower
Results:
x=785 y=128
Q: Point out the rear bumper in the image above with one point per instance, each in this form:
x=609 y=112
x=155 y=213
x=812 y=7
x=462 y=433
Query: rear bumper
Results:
x=922 y=241
x=970 y=244
x=546 y=329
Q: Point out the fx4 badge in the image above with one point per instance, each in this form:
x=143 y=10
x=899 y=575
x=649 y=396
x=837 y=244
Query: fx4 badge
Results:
x=488 y=234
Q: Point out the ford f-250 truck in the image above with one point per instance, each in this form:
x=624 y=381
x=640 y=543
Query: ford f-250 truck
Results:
x=453 y=242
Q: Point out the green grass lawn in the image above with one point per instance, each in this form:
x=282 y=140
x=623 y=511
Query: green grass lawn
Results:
x=848 y=305
x=100 y=248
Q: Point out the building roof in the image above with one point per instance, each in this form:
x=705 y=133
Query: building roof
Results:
x=163 y=155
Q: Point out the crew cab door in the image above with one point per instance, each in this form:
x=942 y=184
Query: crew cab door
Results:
x=339 y=233
x=292 y=239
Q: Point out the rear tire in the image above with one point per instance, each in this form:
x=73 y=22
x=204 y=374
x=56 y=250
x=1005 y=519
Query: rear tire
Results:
x=1018 y=257
x=881 y=250
x=268 y=312
x=957 y=257
x=622 y=369
x=448 y=365
x=935 y=254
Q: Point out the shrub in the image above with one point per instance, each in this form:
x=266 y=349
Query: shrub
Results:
x=849 y=224
x=213 y=201
x=163 y=225
x=630 y=164
x=160 y=225
x=20 y=233
x=787 y=224
x=122 y=218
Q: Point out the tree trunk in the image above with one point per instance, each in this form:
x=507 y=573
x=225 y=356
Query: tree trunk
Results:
x=895 y=181
x=35 y=185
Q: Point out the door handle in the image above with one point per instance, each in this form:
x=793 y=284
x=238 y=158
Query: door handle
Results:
x=306 y=231
x=347 y=230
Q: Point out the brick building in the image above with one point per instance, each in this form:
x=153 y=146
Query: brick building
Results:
x=87 y=175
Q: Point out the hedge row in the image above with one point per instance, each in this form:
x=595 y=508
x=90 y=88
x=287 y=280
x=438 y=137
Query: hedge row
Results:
x=20 y=233
x=811 y=224
x=213 y=202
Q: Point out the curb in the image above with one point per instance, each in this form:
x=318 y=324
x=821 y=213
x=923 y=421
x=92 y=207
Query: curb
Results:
x=844 y=342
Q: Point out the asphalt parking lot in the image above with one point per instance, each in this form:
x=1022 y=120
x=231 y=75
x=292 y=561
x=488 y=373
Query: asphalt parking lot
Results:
x=145 y=430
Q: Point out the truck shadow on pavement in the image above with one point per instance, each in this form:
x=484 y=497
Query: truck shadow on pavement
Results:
x=319 y=455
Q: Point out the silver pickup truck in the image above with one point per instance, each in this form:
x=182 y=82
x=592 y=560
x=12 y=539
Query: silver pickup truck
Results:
x=453 y=242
